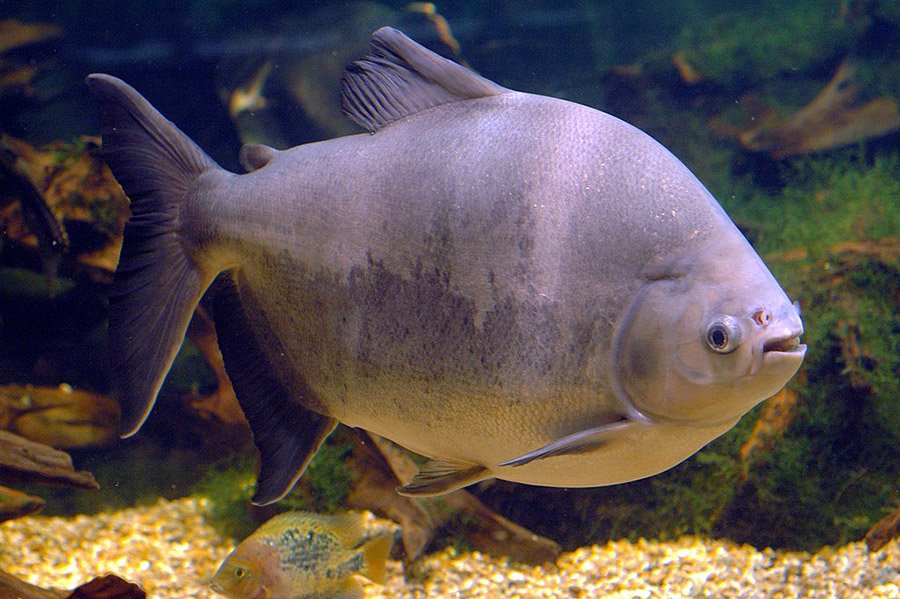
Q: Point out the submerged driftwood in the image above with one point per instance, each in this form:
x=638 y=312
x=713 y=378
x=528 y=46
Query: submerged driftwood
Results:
x=109 y=586
x=12 y=587
x=884 y=531
x=219 y=408
x=22 y=460
x=15 y=504
x=777 y=414
x=61 y=417
x=833 y=119
x=421 y=518
x=61 y=199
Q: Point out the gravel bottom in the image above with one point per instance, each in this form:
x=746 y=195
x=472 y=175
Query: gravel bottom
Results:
x=170 y=551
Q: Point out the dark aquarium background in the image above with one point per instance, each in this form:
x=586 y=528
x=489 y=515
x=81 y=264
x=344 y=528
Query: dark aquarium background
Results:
x=787 y=111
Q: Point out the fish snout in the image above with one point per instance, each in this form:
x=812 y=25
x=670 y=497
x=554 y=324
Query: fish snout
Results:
x=783 y=330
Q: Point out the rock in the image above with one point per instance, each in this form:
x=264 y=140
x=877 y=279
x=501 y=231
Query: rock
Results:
x=420 y=518
x=109 y=586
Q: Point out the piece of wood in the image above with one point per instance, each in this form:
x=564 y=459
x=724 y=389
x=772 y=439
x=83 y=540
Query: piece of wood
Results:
x=22 y=460
x=884 y=531
x=108 y=587
x=484 y=528
x=373 y=489
x=834 y=118
x=60 y=416
x=10 y=587
x=15 y=504
x=777 y=414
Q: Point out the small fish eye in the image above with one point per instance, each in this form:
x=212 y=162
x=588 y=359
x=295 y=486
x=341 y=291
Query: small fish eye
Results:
x=724 y=335
x=239 y=572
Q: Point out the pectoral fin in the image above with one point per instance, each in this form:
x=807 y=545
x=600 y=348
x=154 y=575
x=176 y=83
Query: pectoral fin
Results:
x=578 y=443
x=442 y=476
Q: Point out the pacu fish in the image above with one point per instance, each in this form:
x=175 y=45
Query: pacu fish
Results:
x=301 y=554
x=512 y=285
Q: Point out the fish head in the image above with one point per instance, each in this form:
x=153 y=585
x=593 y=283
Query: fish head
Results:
x=709 y=335
x=241 y=575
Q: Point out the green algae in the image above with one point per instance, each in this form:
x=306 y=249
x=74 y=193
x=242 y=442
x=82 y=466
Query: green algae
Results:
x=230 y=482
x=827 y=200
x=740 y=49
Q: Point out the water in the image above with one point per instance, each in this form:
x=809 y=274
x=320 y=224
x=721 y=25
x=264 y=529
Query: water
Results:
x=716 y=82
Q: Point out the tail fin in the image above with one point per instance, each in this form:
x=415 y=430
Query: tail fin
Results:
x=157 y=285
x=375 y=554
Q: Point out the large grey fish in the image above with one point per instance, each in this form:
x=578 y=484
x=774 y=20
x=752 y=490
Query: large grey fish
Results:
x=512 y=285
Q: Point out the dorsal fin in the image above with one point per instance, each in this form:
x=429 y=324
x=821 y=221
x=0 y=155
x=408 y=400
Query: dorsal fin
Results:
x=254 y=156
x=399 y=78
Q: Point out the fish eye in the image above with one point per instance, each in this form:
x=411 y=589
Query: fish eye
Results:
x=724 y=335
x=240 y=572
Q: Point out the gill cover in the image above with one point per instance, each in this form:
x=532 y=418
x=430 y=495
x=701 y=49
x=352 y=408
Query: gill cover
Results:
x=688 y=349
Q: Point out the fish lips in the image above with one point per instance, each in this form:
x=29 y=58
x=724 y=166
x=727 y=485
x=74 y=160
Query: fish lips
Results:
x=788 y=344
x=779 y=353
x=783 y=352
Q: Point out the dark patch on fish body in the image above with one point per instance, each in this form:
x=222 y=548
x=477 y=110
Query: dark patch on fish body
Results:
x=307 y=552
x=489 y=311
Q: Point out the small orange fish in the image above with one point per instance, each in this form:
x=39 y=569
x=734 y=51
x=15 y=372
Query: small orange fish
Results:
x=301 y=554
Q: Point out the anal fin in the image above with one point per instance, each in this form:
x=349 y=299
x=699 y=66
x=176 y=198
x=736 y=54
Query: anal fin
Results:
x=286 y=434
x=442 y=476
x=585 y=441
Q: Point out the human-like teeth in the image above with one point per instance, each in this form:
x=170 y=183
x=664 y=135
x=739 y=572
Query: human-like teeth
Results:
x=783 y=345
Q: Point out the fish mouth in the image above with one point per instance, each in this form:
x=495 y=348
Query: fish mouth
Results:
x=789 y=344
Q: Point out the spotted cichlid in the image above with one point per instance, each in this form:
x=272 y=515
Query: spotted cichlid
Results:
x=512 y=285
x=300 y=554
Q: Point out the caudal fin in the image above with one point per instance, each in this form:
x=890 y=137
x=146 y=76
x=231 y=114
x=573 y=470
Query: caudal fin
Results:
x=157 y=285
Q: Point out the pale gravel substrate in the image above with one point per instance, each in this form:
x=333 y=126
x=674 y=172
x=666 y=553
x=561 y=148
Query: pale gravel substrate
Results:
x=170 y=550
